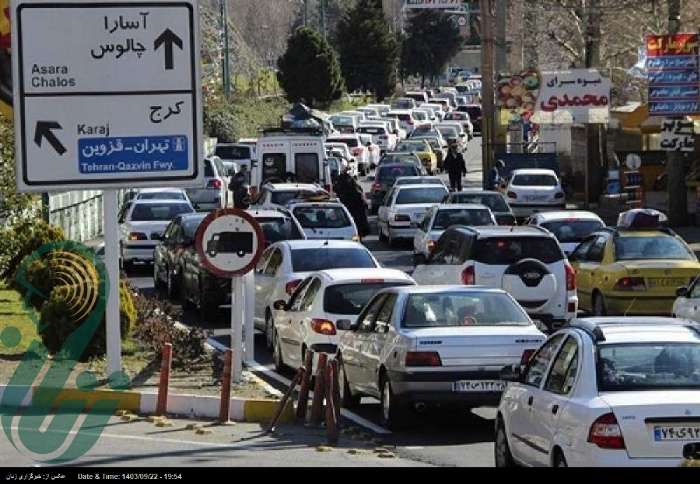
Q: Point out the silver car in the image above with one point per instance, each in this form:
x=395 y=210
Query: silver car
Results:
x=414 y=346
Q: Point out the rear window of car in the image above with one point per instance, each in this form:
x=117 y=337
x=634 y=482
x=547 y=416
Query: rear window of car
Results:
x=567 y=231
x=448 y=131
x=370 y=130
x=534 y=181
x=391 y=173
x=276 y=229
x=322 y=217
x=648 y=366
x=307 y=167
x=351 y=298
x=161 y=196
x=448 y=309
x=509 y=250
x=319 y=259
x=420 y=195
x=473 y=217
x=208 y=169
x=495 y=202
x=474 y=112
x=191 y=224
x=232 y=152
x=341 y=120
x=659 y=247
x=418 y=181
x=285 y=196
x=349 y=142
x=159 y=212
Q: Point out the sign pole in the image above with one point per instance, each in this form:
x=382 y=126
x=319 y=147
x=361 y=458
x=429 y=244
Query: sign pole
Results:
x=111 y=235
x=248 y=322
x=237 y=313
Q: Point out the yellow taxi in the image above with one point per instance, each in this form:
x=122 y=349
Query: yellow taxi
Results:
x=632 y=271
x=423 y=151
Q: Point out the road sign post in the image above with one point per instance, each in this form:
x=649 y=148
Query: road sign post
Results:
x=229 y=243
x=106 y=96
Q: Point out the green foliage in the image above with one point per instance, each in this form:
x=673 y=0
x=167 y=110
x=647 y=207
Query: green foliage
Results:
x=309 y=70
x=369 y=52
x=219 y=119
x=20 y=239
x=240 y=117
x=432 y=39
x=13 y=205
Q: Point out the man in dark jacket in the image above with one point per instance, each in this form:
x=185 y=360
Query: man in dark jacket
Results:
x=350 y=194
x=456 y=168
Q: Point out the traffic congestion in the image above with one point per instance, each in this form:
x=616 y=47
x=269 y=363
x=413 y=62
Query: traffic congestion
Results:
x=551 y=337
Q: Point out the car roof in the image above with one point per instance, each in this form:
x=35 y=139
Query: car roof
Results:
x=292 y=206
x=634 y=329
x=477 y=191
x=515 y=231
x=567 y=215
x=159 y=202
x=267 y=213
x=161 y=190
x=418 y=177
x=423 y=186
x=420 y=289
x=347 y=275
x=402 y=111
x=533 y=171
x=320 y=244
x=293 y=186
x=462 y=206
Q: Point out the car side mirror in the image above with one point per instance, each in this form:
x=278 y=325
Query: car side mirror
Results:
x=280 y=305
x=682 y=292
x=513 y=373
x=344 y=325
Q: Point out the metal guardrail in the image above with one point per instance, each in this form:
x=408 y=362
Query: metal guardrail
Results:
x=79 y=213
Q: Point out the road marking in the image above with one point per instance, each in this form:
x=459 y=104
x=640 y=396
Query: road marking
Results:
x=343 y=411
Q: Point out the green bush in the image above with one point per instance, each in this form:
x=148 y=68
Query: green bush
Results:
x=20 y=240
x=220 y=120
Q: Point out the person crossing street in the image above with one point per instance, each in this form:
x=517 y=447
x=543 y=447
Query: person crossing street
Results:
x=456 y=168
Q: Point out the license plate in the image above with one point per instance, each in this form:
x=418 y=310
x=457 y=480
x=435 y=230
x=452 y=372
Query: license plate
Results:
x=468 y=386
x=534 y=198
x=664 y=433
x=666 y=282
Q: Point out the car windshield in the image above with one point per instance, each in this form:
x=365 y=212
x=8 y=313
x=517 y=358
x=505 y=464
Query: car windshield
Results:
x=319 y=259
x=509 y=250
x=351 y=298
x=473 y=217
x=420 y=195
x=284 y=197
x=232 y=152
x=534 y=181
x=349 y=142
x=321 y=217
x=341 y=120
x=372 y=130
x=162 y=196
x=448 y=131
x=418 y=181
x=652 y=247
x=572 y=230
x=153 y=212
x=493 y=201
x=648 y=366
x=445 y=309
x=423 y=130
x=420 y=115
x=276 y=229
x=391 y=173
x=412 y=146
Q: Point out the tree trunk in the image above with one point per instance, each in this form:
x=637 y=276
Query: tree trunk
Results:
x=594 y=161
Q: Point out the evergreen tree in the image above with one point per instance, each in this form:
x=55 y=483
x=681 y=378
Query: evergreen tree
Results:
x=369 y=51
x=432 y=39
x=309 y=71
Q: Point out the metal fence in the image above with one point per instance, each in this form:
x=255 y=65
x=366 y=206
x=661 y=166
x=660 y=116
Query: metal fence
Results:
x=79 y=213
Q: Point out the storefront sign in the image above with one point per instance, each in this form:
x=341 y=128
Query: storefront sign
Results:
x=575 y=96
x=674 y=79
x=677 y=135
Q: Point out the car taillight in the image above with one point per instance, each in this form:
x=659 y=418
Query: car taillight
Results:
x=253 y=192
x=423 y=358
x=630 y=284
x=570 y=277
x=431 y=245
x=401 y=218
x=525 y=358
x=512 y=195
x=606 y=433
x=469 y=276
x=559 y=195
x=323 y=326
x=291 y=286
x=137 y=236
x=215 y=183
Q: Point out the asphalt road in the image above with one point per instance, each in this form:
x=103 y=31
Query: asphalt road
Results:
x=453 y=438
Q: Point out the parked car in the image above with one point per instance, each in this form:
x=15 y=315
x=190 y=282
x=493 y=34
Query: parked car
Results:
x=161 y=194
x=527 y=262
x=440 y=218
x=141 y=227
x=570 y=227
x=320 y=302
x=604 y=392
x=495 y=201
x=213 y=193
x=284 y=265
x=632 y=271
x=420 y=345
x=283 y=193
x=386 y=175
x=404 y=208
x=325 y=220
x=534 y=190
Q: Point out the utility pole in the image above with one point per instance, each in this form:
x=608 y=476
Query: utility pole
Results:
x=322 y=8
x=675 y=161
x=530 y=34
x=593 y=169
x=501 y=44
x=487 y=87
x=225 y=56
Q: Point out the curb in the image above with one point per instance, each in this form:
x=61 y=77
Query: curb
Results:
x=241 y=409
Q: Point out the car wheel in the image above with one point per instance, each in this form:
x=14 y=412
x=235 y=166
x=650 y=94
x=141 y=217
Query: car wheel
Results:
x=347 y=399
x=501 y=449
x=392 y=414
x=269 y=329
x=599 y=308
x=559 y=459
x=277 y=354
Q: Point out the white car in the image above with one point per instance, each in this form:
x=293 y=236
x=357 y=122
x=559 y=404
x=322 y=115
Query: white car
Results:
x=687 y=305
x=310 y=318
x=381 y=135
x=382 y=109
x=285 y=264
x=325 y=220
x=161 y=194
x=141 y=227
x=404 y=117
x=534 y=190
x=404 y=208
x=213 y=194
x=416 y=346
x=605 y=392
x=395 y=127
x=359 y=151
x=436 y=109
x=570 y=227
x=527 y=262
x=374 y=151
x=283 y=193
x=463 y=119
x=440 y=218
x=419 y=180
x=351 y=164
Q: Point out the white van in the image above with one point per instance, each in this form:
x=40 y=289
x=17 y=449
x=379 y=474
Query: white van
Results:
x=299 y=153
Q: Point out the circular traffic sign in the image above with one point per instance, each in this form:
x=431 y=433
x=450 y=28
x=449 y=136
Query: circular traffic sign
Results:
x=633 y=161
x=229 y=242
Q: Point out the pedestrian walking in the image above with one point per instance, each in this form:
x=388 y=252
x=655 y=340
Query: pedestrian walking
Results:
x=456 y=168
x=351 y=195
x=495 y=175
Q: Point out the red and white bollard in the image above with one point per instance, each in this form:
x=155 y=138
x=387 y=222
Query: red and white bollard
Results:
x=165 y=365
x=224 y=407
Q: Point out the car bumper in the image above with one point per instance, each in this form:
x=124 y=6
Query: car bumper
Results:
x=595 y=457
x=639 y=305
x=436 y=387
x=402 y=232
x=525 y=210
x=141 y=252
